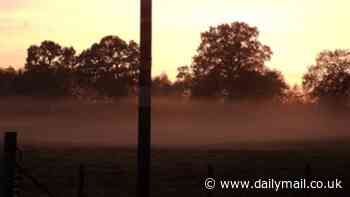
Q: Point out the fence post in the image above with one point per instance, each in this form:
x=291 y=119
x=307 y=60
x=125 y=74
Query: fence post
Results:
x=210 y=175
x=81 y=180
x=308 y=179
x=9 y=170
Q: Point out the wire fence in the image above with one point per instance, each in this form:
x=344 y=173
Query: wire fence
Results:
x=14 y=172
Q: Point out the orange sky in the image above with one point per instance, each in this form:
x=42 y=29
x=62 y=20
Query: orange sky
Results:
x=296 y=30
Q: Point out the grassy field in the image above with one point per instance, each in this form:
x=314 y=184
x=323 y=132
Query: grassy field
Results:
x=240 y=141
x=178 y=172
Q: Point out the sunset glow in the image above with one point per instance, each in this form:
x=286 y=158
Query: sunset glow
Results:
x=296 y=30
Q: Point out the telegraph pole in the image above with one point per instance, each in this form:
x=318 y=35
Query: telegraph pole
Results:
x=144 y=116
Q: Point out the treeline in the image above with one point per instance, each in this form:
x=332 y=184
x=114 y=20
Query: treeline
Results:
x=107 y=68
x=229 y=64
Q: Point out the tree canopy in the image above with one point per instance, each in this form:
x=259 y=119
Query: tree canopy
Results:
x=110 y=66
x=161 y=85
x=230 y=62
x=48 y=68
x=7 y=80
x=328 y=80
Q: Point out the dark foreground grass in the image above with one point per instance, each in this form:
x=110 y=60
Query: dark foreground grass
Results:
x=181 y=172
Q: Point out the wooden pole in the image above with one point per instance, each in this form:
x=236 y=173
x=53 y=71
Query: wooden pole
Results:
x=210 y=175
x=10 y=146
x=144 y=116
x=81 y=176
x=308 y=179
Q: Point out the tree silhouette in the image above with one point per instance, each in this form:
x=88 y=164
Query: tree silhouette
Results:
x=329 y=79
x=162 y=86
x=48 y=69
x=261 y=85
x=295 y=95
x=230 y=62
x=7 y=80
x=110 y=66
x=183 y=83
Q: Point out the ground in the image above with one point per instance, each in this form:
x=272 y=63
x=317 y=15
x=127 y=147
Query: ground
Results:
x=178 y=172
x=240 y=141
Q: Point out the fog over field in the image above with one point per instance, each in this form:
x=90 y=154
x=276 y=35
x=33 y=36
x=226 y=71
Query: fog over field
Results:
x=176 y=123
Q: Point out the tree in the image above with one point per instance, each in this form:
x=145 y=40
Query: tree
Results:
x=110 y=66
x=7 y=80
x=328 y=80
x=230 y=62
x=183 y=84
x=260 y=85
x=48 y=69
x=162 y=86
x=295 y=95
